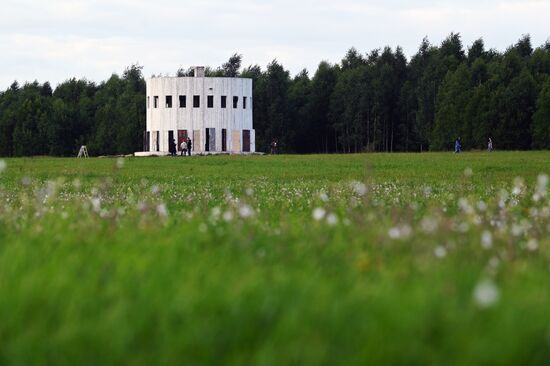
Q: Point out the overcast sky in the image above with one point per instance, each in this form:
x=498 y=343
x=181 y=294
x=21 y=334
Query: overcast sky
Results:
x=58 y=39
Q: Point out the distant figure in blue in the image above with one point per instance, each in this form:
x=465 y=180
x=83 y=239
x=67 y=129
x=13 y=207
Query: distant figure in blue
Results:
x=458 y=147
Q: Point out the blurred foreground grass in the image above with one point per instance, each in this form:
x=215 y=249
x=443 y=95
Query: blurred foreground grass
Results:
x=363 y=259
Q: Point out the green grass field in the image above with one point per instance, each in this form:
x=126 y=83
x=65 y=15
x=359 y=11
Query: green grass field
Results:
x=379 y=259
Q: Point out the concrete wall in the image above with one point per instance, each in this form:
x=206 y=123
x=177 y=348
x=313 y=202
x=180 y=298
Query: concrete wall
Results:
x=165 y=119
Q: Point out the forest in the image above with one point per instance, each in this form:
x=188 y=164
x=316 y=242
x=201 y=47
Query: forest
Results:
x=373 y=101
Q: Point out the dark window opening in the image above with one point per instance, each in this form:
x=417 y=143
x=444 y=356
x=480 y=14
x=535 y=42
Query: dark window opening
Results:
x=224 y=139
x=183 y=101
x=246 y=140
x=235 y=102
x=171 y=142
x=244 y=102
x=146 y=141
x=210 y=101
x=168 y=101
x=148 y=102
x=224 y=101
x=155 y=101
x=196 y=101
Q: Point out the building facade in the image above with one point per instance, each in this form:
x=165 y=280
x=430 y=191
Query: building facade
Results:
x=214 y=112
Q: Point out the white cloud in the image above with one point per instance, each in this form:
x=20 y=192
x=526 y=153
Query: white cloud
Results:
x=60 y=39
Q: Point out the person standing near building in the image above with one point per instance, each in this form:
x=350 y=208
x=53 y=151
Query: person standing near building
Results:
x=490 y=145
x=172 y=148
x=183 y=148
x=458 y=147
x=189 y=146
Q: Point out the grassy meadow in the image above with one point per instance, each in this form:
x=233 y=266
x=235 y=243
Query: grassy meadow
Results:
x=371 y=259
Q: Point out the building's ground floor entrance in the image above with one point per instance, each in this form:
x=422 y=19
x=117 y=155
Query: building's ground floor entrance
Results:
x=210 y=140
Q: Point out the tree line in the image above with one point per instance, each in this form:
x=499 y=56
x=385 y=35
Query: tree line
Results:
x=377 y=101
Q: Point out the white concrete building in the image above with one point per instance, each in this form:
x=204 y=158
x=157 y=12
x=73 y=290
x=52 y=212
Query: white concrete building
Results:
x=215 y=112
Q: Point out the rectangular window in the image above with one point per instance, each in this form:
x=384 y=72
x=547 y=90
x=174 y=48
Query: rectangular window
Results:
x=244 y=102
x=183 y=101
x=155 y=101
x=148 y=102
x=168 y=101
x=224 y=139
x=210 y=101
x=246 y=140
x=196 y=101
x=235 y=102
x=224 y=101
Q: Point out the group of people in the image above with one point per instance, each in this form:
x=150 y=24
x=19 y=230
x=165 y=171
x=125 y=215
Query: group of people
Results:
x=458 y=145
x=185 y=147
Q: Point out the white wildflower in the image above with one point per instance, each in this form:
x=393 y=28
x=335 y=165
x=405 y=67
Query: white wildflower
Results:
x=96 y=204
x=394 y=233
x=517 y=230
x=399 y=232
x=228 y=216
x=486 y=293
x=440 y=251
x=215 y=212
x=427 y=190
x=323 y=196
x=465 y=205
x=162 y=210
x=359 y=188
x=481 y=206
x=249 y=192
x=332 y=219
x=519 y=186
x=318 y=213
x=532 y=245
x=245 y=211
x=486 y=239
x=3 y=166
x=468 y=172
x=463 y=227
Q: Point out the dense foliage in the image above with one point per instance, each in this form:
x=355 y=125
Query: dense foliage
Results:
x=379 y=101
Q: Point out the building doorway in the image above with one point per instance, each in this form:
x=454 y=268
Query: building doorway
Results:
x=146 y=141
x=155 y=145
x=210 y=140
x=246 y=140
x=182 y=136
x=170 y=140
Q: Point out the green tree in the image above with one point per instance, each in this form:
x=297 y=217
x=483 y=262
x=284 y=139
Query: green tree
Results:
x=541 y=119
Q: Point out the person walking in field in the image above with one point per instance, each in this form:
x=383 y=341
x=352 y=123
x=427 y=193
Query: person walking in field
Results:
x=189 y=146
x=490 y=145
x=458 y=146
x=183 y=148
